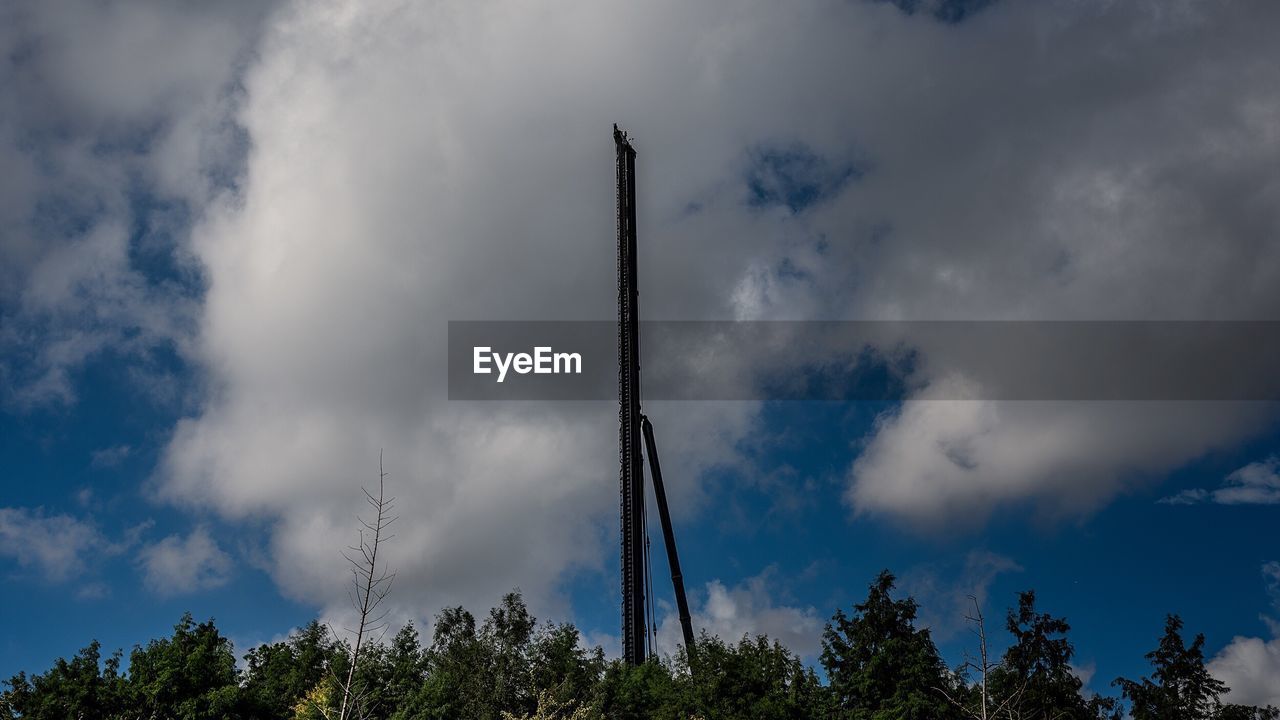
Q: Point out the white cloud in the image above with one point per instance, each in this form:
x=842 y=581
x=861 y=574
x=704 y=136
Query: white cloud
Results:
x=748 y=608
x=107 y=152
x=954 y=462
x=1250 y=666
x=109 y=457
x=177 y=565
x=1257 y=483
x=1084 y=672
x=412 y=164
x=1041 y=193
x=607 y=642
x=56 y=546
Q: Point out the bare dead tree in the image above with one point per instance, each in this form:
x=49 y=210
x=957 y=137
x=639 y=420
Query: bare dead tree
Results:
x=371 y=583
x=987 y=708
x=984 y=664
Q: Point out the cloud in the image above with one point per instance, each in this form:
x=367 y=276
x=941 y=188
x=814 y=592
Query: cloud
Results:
x=748 y=608
x=177 y=565
x=412 y=164
x=954 y=462
x=1257 y=483
x=1060 y=199
x=55 y=546
x=610 y=644
x=1250 y=666
x=93 y=591
x=109 y=457
x=108 y=154
x=1084 y=672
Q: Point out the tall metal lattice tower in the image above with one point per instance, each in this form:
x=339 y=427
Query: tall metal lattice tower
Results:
x=633 y=428
x=631 y=477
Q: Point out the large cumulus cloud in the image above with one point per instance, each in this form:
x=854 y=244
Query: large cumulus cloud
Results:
x=414 y=164
x=115 y=128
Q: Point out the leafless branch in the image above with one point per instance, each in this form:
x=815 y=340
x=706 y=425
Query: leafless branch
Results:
x=371 y=583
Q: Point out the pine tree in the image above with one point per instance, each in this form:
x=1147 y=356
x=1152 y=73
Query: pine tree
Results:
x=1035 y=679
x=1180 y=686
x=880 y=666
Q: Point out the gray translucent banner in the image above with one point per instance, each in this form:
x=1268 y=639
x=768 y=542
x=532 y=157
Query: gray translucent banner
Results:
x=873 y=361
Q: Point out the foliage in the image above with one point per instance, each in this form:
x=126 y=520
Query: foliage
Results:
x=549 y=708
x=879 y=666
x=753 y=678
x=318 y=703
x=81 y=687
x=190 y=676
x=278 y=675
x=1180 y=688
x=639 y=692
x=562 y=668
x=1035 y=678
x=1246 y=712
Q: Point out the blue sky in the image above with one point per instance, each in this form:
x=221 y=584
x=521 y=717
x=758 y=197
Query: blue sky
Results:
x=226 y=279
x=1114 y=575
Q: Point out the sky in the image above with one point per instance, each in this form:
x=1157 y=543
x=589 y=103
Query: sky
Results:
x=234 y=235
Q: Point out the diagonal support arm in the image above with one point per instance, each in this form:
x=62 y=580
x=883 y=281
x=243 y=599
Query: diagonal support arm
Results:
x=668 y=536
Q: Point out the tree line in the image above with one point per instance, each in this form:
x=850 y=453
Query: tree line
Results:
x=877 y=665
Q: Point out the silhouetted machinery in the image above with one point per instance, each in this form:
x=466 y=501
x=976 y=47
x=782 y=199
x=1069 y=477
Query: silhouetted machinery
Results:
x=638 y=621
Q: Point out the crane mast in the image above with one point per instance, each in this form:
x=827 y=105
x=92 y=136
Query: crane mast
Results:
x=633 y=429
x=631 y=480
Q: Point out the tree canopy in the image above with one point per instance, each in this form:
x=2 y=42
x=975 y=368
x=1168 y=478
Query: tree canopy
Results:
x=1180 y=686
x=876 y=665
x=880 y=666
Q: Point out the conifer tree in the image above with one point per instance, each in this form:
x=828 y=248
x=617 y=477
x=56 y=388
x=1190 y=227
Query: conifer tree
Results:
x=1180 y=686
x=881 y=667
x=1035 y=678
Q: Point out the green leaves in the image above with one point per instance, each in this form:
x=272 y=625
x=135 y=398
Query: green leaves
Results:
x=189 y=676
x=754 y=678
x=83 y=686
x=1180 y=687
x=1035 y=677
x=278 y=675
x=879 y=665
